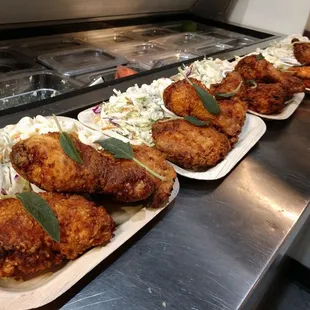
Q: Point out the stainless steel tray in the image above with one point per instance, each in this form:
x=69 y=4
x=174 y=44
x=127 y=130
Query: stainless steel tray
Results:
x=24 y=88
x=107 y=75
x=81 y=61
x=187 y=40
x=134 y=51
x=165 y=59
x=36 y=48
x=12 y=61
x=240 y=42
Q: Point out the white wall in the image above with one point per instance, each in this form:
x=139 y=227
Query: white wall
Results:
x=283 y=16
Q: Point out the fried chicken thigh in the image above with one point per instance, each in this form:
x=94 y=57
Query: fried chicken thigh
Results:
x=189 y=146
x=263 y=71
x=41 y=160
x=302 y=51
x=181 y=98
x=25 y=247
x=266 y=98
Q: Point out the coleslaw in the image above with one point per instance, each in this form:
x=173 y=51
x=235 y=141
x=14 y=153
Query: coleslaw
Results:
x=132 y=113
x=10 y=182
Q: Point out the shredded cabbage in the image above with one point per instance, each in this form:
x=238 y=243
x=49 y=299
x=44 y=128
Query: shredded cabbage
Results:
x=132 y=113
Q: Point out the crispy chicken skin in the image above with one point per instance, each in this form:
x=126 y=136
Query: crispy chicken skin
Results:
x=157 y=162
x=189 y=146
x=266 y=98
x=263 y=71
x=302 y=51
x=181 y=98
x=41 y=160
x=26 y=248
x=229 y=84
x=302 y=73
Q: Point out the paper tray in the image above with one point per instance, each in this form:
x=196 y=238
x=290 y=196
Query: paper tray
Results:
x=36 y=292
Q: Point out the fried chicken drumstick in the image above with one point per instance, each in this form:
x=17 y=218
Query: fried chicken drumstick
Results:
x=263 y=71
x=25 y=248
x=181 y=98
x=41 y=160
x=189 y=146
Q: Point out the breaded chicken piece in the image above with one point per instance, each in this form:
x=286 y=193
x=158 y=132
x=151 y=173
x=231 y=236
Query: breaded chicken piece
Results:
x=301 y=72
x=263 y=71
x=189 y=146
x=229 y=84
x=155 y=160
x=266 y=98
x=25 y=247
x=41 y=160
x=181 y=98
x=302 y=51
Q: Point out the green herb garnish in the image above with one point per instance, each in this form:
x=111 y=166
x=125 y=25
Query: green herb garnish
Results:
x=39 y=209
x=124 y=150
x=195 y=121
x=259 y=56
x=231 y=94
x=208 y=100
x=251 y=82
x=67 y=144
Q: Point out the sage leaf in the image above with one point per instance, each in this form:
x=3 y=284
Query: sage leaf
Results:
x=124 y=150
x=195 y=121
x=231 y=94
x=208 y=100
x=117 y=148
x=69 y=148
x=39 y=209
x=259 y=56
x=67 y=144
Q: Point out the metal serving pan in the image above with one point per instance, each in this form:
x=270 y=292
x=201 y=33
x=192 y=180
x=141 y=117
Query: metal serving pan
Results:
x=212 y=49
x=24 y=88
x=75 y=62
x=36 y=48
x=151 y=33
x=12 y=61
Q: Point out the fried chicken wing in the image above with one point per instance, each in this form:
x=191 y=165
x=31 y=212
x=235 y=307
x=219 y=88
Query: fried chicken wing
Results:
x=266 y=98
x=301 y=72
x=181 y=98
x=263 y=71
x=302 y=51
x=25 y=247
x=189 y=146
x=41 y=160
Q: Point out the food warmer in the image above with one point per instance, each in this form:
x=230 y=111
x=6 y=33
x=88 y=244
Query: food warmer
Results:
x=222 y=243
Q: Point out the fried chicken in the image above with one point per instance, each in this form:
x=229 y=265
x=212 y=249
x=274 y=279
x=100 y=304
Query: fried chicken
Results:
x=229 y=84
x=25 y=247
x=181 y=98
x=266 y=98
x=302 y=73
x=41 y=160
x=263 y=71
x=189 y=146
x=155 y=160
x=302 y=51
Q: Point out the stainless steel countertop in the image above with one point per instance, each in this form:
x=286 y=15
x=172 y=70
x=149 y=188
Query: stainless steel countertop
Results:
x=218 y=242
x=213 y=245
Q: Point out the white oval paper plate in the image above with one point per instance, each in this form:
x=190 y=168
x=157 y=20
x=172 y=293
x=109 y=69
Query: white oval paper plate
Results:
x=287 y=111
x=253 y=129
